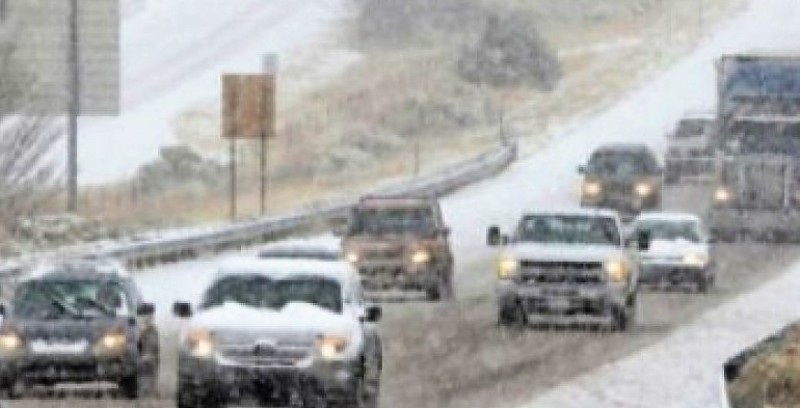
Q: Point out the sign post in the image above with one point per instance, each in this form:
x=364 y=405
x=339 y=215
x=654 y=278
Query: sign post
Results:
x=248 y=112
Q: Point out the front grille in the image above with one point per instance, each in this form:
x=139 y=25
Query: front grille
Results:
x=536 y=272
x=385 y=254
x=282 y=355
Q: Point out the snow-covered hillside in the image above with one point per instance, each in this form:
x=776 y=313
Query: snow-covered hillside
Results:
x=173 y=52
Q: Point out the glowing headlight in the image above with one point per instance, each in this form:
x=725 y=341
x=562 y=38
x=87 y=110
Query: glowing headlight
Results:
x=592 y=188
x=420 y=256
x=331 y=347
x=10 y=341
x=201 y=343
x=506 y=267
x=722 y=195
x=113 y=341
x=643 y=189
x=352 y=257
x=617 y=271
x=696 y=259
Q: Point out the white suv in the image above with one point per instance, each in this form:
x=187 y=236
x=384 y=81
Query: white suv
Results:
x=293 y=332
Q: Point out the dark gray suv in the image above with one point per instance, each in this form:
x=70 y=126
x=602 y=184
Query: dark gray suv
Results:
x=78 y=324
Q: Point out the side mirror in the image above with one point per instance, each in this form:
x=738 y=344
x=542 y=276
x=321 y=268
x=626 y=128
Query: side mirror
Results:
x=643 y=241
x=146 y=309
x=3 y=310
x=493 y=236
x=373 y=314
x=182 y=310
x=581 y=169
x=445 y=231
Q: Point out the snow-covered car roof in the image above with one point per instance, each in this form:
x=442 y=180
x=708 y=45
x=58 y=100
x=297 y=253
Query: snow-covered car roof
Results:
x=81 y=267
x=278 y=269
x=622 y=147
x=667 y=216
x=319 y=250
x=586 y=212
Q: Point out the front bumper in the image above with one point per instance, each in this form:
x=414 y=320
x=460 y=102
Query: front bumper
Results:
x=31 y=369
x=233 y=382
x=730 y=222
x=376 y=276
x=670 y=274
x=567 y=303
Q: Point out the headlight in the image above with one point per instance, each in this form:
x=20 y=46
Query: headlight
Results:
x=10 y=341
x=696 y=259
x=643 y=189
x=201 y=343
x=352 y=257
x=113 y=342
x=617 y=271
x=331 y=347
x=507 y=267
x=722 y=195
x=420 y=256
x=592 y=188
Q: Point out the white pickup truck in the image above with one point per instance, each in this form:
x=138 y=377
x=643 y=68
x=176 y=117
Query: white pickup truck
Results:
x=566 y=267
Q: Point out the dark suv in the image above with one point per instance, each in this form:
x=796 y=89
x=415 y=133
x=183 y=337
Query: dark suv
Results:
x=622 y=177
x=78 y=323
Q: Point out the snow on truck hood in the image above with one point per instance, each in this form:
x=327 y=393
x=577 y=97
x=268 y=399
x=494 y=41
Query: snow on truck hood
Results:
x=296 y=318
x=565 y=252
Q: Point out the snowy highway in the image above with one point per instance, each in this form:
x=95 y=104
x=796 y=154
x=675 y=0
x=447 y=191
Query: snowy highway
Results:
x=454 y=355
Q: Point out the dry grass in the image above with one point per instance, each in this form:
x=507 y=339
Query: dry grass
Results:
x=378 y=98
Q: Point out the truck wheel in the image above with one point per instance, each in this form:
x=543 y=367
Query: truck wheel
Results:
x=624 y=316
x=512 y=316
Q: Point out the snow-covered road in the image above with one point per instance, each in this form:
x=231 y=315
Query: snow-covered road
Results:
x=549 y=179
x=683 y=370
x=173 y=53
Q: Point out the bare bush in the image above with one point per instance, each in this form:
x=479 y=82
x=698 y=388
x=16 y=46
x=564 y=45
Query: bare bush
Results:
x=510 y=52
x=179 y=167
x=28 y=176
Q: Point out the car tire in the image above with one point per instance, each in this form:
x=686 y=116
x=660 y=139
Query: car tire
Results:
x=144 y=383
x=13 y=390
x=512 y=316
x=624 y=316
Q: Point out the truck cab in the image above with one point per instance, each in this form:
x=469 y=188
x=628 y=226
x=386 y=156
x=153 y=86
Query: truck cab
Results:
x=400 y=243
x=566 y=267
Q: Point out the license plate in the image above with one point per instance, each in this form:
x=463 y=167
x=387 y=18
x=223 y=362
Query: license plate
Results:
x=41 y=347
x=559 y=303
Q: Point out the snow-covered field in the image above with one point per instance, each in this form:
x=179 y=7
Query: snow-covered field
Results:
x=173 y=53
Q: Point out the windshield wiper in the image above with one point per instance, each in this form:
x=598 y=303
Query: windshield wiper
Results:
x=98 y=306
x=63 y=306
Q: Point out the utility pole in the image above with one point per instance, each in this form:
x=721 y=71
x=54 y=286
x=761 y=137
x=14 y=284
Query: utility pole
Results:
x=74 y=108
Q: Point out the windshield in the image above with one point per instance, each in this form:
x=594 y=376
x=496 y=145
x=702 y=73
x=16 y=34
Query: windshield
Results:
x=689 y=128
x=393 y=221
x=618 y=164
x=567 y=229
x=262 y=292
x=69 y=299
x=669 y=230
